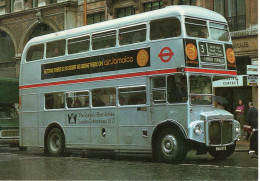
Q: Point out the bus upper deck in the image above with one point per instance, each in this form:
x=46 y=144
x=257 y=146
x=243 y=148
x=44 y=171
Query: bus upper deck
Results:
x=192 y=38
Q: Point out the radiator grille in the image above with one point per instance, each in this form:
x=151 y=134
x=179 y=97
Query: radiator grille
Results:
x=9 y=133
x=220 y=132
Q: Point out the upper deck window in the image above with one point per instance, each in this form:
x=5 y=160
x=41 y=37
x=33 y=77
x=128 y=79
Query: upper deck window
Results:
x=35 y=53
x=165 y=28
x=56 y=48
x=196 y=28
x=133 y=34
x=77 y=45
x=104 y=40
x=219 y=31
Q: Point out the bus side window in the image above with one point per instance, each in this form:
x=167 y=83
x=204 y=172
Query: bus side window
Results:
x=132 y=35
x=55 y=100
x=132 y=95
x=77 y=45
x=159 y=89
x=56 y=48
x=165 y=28
x=104 y=40
x=104 y=97
x=35 y=53
x=77 y=99
x=177 y=88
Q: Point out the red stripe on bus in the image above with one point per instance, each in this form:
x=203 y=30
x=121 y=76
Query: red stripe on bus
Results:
x=139 y=74
x=210 y=71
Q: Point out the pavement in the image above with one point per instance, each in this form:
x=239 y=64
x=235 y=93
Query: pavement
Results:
x=242 y=145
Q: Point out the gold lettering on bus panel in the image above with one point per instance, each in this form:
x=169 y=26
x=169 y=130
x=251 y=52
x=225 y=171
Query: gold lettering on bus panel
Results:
x=48 y=71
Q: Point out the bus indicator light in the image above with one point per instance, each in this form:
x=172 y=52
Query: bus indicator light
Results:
x=230 y=55
x=191 y=51
x=142 y=58
x=166 y=54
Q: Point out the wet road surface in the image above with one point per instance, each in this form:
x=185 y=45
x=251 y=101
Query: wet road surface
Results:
x=32 y=164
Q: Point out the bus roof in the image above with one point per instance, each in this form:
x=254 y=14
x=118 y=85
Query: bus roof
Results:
x=176 y=10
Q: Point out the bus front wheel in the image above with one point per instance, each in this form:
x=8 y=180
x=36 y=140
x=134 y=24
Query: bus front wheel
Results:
x=170 y=147
x=55 y=142
x=222 y=154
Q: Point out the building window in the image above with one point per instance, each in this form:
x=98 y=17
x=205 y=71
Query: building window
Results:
x=7 y=50
x=152 y=6
x=184 y=2
x=122 y=12
x=234 y=11
x=95 y=18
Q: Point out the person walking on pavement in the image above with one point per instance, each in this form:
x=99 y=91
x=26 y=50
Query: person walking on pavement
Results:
x=240 y=114
x=252 y=118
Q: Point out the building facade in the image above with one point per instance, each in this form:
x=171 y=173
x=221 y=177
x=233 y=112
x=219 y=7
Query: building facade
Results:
x=21 y=20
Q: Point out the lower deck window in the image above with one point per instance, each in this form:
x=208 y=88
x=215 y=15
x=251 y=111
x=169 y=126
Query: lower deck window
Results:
x=132 y=96
x=104 y=97
x=171 y=89
x=55 y=100
x=77 y=99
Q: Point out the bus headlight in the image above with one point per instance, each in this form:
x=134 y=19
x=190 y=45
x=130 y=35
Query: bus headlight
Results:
x=237 y=128
x=197 y=129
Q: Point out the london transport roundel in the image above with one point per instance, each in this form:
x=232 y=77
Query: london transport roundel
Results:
x=166 y=54
x=191 y=51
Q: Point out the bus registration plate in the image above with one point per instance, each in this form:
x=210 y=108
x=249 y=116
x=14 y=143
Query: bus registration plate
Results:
x=220 y=148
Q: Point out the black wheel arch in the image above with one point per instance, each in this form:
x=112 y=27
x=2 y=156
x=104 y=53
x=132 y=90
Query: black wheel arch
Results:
x=168 y=124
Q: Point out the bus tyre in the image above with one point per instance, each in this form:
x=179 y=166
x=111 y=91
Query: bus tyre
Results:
x=170 y=147
x=220 y=155
x=55 y=142
x=22 y=148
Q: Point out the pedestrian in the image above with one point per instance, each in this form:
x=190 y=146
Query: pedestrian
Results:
x=240 y=114
x=252 y=118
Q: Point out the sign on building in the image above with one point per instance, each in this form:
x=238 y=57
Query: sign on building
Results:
x=229 y=82
x=252 y=80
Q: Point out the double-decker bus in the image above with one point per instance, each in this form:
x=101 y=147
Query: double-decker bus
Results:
x=138 y=84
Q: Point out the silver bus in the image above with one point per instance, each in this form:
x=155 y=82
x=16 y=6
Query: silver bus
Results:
x=137 y=84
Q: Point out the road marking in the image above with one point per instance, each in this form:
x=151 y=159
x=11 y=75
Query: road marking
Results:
x=217 y=166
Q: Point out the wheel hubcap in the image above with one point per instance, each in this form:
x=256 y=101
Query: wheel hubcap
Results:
x=55 y=142
x=169 y=145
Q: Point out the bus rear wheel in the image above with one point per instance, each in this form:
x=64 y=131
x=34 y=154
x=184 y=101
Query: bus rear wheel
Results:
x=55 y=142
x=170 y=147
x=220 y=155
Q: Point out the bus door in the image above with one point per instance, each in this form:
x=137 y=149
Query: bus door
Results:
x=133 y=117
x=169 y=98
